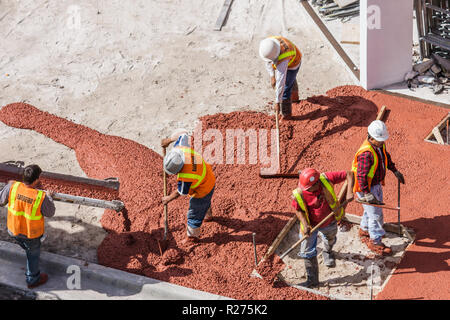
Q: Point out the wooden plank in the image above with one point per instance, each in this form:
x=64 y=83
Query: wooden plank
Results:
x=348 y=61
x=280 y=237
x=350 y=33
x=437 y=135
x=223 y=15
x=389 y=227
x=344 y=3
x=17 y=171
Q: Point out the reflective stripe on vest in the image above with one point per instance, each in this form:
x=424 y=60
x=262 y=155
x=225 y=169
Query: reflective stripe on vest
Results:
x=334 y=203
x=194 y=176
x=292 y=53
x=35 y=208
x=366 y=146
x=302 y=205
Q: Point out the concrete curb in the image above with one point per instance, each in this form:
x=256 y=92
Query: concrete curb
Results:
x=96 y=281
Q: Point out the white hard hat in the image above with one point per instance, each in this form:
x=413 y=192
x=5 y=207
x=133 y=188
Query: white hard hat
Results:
x=269 y=49
x=377 y=130
x=178 y=133
x=174 y=161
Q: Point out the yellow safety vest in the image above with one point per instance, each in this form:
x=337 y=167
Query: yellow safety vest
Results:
x=287 y=50
x=330 y=197
x=202 y=180
x=366 y=146
x=24 y=211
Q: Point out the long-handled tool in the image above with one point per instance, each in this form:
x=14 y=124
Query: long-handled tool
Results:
x=115 y=205
x=163 y=243
x=166 y=227
x=312 y=231
x=278 y=175
x=398 y=204
x=379 y=205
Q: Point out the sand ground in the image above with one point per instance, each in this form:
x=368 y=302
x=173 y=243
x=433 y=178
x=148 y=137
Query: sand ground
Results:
x=140 y=69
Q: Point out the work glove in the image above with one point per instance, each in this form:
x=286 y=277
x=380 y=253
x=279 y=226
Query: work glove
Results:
x=369 y=198
x=165 y=142
x=307 y=232
x=400 y=177
x=277 y=107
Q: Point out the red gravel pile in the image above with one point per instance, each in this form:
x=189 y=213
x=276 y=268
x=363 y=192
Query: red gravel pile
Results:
x=325 y=134
x=270 y=268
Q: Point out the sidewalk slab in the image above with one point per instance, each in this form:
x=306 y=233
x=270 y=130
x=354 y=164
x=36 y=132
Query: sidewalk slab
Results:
x=95 y=282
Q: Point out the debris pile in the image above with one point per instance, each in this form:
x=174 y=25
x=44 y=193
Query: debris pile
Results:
x=433 y=73
x=337 y=9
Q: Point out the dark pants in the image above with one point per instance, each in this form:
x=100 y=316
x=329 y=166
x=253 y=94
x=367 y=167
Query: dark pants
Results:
x=197 y=209
x=32 y=249
x=289 y=84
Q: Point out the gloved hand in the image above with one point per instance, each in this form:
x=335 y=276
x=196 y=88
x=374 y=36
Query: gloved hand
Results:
x=307 y=232
x=369 y=198
x=400 y=177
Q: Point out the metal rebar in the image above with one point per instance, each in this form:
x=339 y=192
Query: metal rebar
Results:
x=371 y=282
x=398 y=204
x=254 y=249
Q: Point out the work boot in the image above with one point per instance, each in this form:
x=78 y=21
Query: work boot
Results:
x=379 y=248
x=42 y=279
x=328 y=259
x=363 y=234
x=286 y=109
x=312 y=273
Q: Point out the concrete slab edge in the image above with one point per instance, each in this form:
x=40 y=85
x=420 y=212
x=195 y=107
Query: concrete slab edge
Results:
x=116 y=279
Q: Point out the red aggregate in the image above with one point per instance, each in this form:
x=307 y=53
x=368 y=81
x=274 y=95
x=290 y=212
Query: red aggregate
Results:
x=325 y=134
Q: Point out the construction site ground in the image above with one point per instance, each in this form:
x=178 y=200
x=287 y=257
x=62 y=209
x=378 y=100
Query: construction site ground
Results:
x=139 y=70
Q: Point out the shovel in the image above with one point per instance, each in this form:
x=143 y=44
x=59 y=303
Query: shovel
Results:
x=278 y=175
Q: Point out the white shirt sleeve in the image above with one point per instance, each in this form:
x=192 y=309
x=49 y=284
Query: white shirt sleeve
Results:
x=269 y=68
x=280 y=76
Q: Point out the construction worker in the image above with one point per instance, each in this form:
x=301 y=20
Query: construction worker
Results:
x=195 y=178
x=27 y=207
x=313 y=200
x=283 y=60
x=369 y=167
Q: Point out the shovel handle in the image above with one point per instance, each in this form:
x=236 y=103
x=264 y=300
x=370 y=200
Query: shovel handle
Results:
x=165 y=194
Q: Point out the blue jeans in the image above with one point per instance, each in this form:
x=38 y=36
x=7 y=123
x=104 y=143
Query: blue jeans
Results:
x=291 y=75
x=327 y=234
x=197 y=209
x=372 y=219
x=32 y=249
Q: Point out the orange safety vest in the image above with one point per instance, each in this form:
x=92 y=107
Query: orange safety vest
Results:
x=366 y=146
x=288 y=51
x=198 y=172
x=329 y=195
x=24 y=211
